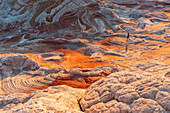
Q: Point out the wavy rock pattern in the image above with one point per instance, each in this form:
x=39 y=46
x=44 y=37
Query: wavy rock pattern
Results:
x=57 y=8
x=59 y=21
x=130 y=92
x=30 y=77
x=48 y=12
x=62 y=98
x=31 y=25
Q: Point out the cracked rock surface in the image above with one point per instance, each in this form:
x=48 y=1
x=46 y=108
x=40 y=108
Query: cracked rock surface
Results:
x=126 y=92
x=58 y=99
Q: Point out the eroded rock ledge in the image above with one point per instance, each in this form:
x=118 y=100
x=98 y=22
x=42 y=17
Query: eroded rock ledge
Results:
x=19 y=74
x=58 y=99
x=144 y=87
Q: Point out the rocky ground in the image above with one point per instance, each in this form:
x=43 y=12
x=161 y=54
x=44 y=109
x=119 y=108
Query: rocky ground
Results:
x=73 y=56
x=26 y=87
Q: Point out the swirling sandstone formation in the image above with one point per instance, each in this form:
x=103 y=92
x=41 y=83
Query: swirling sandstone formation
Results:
x=53 y=11
x=81 y=43
x=31 y=25
x=145 y=89
x=19 y=73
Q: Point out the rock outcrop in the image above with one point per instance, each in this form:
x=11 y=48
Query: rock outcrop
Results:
x=130 y=92
x=154 y=67
x=10 y=101
x=46 y=26
x=15 y=64
x=83 y=44
x=142 y=88
x=58 y=99
x=27 y=76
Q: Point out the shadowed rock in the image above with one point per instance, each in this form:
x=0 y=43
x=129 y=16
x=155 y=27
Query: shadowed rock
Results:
x=10 y=101
x=15 y=64
x=56 y=22
x=63 y=43
x=62 y=12
x=45 y=55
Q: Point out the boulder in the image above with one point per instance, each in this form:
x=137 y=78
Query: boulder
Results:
x=15 y=64
x=126 y=91
x=58 y=99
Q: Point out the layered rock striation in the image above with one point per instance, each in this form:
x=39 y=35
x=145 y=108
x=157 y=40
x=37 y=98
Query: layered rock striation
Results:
x=67 y=35
x=19 y=73
x=142 y=88
x=31 y=25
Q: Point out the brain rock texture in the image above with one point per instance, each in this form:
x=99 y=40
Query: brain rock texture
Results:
x=126 y=92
